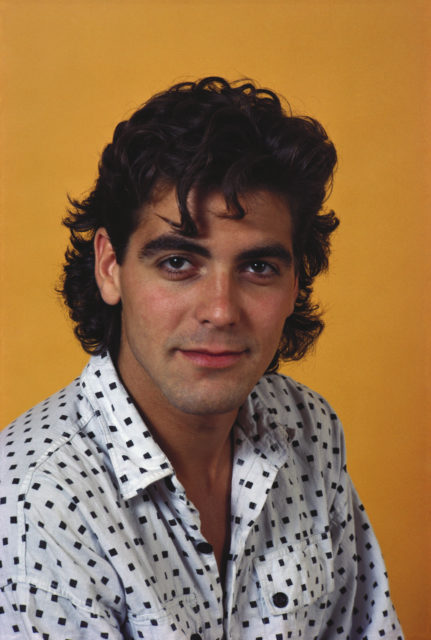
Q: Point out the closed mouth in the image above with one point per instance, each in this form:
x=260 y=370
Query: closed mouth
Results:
x=212 y=358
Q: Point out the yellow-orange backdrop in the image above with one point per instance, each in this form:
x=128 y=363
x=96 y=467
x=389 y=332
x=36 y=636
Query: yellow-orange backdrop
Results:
x=70 y=69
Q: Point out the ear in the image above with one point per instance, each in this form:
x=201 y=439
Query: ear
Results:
x=106 y=268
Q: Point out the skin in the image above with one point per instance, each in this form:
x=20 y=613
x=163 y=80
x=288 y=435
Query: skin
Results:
x=201 y=320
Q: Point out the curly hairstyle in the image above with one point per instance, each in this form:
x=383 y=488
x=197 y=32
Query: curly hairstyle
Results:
x=209 y=134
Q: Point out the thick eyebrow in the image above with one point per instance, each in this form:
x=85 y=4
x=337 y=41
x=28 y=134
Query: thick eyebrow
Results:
x=172 y=242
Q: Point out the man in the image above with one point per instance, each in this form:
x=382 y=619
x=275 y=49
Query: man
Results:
x=180 y=488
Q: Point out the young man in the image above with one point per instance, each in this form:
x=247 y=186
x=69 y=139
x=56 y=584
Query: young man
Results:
x=180 y=488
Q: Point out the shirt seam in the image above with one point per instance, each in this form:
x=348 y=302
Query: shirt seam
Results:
x=25 y=487
x=59 y=593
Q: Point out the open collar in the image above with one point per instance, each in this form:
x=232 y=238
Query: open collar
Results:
x=137 y=459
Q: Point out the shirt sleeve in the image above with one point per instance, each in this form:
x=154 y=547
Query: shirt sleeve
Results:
x=56 y=581
x=360 y=607
x=28 y=612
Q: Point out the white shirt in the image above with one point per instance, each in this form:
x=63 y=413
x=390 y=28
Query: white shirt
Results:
x=99 y=539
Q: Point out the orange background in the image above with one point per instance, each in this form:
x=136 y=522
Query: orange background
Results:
x=71 y=69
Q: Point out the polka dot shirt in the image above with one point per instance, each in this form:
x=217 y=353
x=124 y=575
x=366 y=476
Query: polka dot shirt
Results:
x=99 y=540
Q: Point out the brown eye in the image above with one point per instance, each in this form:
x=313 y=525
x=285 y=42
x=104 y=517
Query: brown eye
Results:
x=176 y=262
x=261 y=268
x=177 y=267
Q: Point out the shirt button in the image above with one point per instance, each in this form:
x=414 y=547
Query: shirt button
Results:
x=280 y=599
x=204 y=547
x=195 y=636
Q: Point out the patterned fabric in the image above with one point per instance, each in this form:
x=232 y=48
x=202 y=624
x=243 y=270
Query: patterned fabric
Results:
x=99 y=539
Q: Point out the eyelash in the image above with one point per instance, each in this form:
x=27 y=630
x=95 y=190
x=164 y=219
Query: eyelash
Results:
x=164 y=264
x=272 y=267
x=178 y=273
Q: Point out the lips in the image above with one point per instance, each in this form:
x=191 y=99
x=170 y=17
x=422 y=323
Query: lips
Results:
x=214 y=358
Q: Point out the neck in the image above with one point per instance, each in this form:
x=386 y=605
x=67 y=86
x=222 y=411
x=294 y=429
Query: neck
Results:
x=200 y=450
x=198 y=446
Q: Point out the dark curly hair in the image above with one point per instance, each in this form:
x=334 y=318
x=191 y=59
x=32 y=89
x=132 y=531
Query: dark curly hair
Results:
x=207 y=134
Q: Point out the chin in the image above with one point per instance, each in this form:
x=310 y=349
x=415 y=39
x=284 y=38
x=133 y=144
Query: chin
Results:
x=209 y=405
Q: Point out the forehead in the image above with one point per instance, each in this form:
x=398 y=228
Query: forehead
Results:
x=267 y=216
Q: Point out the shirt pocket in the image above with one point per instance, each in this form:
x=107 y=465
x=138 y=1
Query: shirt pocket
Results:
x=295 y=577
x=177 y=618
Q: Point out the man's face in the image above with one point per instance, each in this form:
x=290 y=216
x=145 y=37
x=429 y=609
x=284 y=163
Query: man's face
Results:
x=201 y=317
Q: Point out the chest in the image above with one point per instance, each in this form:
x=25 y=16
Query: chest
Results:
x=177 y=577
x=164 y=579
x=214 y=514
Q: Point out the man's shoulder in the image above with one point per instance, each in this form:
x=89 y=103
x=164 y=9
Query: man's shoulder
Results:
x=278 y=390
x=306 y=416
x=31 y=436
x=57 y=404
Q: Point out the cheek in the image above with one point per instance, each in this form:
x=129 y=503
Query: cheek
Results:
x=278 y=307
x=273 y=311
x=151 y=305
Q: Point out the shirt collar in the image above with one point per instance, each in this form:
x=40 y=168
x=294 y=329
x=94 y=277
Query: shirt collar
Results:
x=260 y=420
x=137 y=459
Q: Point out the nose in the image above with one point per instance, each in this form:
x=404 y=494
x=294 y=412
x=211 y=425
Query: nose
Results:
x=219 y=303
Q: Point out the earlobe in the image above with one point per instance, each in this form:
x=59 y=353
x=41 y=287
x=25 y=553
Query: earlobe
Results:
x=106 y=268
